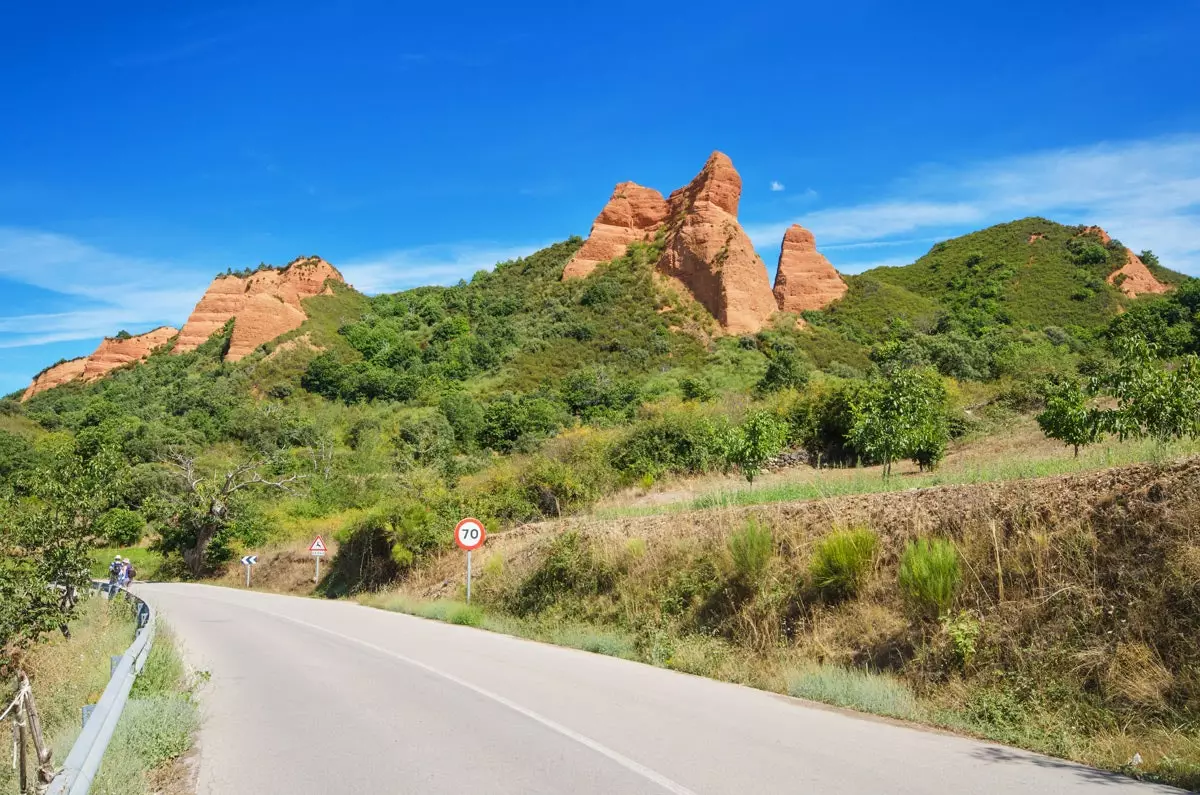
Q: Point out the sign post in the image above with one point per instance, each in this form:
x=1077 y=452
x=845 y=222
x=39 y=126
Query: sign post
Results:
x=317 y=548
x=469 y=535
x=249 y=561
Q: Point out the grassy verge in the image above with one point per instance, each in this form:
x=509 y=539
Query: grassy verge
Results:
x=67 y=673
x=156 y=729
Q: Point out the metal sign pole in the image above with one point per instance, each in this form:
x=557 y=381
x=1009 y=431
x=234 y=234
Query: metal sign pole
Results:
x=247 y=575
x=468 y=577
x=318 y=577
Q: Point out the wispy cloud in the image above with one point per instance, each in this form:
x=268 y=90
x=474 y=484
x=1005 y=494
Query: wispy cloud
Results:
x=776 y=185
x=421 y=265
x=1147 y=193
x=104 y=292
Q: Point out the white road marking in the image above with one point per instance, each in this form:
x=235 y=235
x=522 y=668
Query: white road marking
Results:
x=616 y=756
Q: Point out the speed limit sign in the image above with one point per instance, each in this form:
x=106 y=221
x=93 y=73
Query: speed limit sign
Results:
x=469 y=534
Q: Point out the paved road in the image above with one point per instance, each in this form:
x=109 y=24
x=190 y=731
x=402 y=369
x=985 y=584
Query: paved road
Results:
x=311 y=696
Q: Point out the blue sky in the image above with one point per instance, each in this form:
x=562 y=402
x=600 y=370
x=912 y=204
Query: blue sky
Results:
x=146 y=146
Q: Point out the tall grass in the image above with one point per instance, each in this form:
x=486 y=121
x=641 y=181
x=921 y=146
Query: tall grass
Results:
x=930 y=574
x=751 y=549
x=841 y=562
x=878 y=694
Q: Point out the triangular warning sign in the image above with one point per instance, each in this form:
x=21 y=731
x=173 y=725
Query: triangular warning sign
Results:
x=318 y=545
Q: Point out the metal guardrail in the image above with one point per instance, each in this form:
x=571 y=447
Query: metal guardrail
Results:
x=83 y=761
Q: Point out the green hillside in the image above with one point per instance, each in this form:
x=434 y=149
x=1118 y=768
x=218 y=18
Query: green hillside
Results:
x=516 y=396
x=1028 y=273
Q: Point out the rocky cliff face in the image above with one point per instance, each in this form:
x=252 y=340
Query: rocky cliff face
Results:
x=113 y=352
x=709 y=254
x=706 y=252
x=116 y=352
x=263 y=305
x=805 y=279
x=1133 y=278
x=634 y=213
x=54 y=376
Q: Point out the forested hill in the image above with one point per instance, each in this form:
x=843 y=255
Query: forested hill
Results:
x=516 y=396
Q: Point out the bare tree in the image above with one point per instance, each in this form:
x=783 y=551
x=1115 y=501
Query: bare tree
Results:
x=202 y=508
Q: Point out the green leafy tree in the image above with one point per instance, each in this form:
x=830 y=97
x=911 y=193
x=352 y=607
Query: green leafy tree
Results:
x=902 y=413
x=785 y=369
x=46 y=537
x=1068 y=416
x=1162 y=403
x=754 y=442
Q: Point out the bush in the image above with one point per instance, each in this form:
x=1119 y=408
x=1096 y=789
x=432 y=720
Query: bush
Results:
x=569 y=569
x=750 y=446
x=751 y=549
x=785 y=368
x=695 y=387
x=841 y=562
x=930 y=574
x=122 y=527
x=682 y=443
x=845 y=687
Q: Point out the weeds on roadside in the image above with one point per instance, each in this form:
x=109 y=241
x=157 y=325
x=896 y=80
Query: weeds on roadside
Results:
x=847 y=687
x=930 y=574
x=841 y=562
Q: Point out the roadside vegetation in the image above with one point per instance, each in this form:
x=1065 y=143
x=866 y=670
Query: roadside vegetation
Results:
x=67 y=673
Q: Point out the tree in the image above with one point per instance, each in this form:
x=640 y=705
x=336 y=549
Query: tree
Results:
x=46 y=537
x=205 y=504
x=1068 y=417
x=751 y=445
x=785 y=368
x=1152 y=401
x=898 y=414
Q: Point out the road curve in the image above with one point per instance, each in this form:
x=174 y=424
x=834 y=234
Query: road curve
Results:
x=311 y=696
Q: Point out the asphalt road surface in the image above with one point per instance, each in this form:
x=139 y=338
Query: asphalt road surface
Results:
x=314 y=697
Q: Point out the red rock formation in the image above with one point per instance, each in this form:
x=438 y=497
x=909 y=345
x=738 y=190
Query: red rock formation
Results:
x=115 y=352
x=634 y=213
x=805 y=279
x=54 y=376
x=709 y=254
x=263 y=305
x=706 y=252
x=1135 y=278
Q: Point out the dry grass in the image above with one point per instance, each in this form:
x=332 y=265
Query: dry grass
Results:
x=66 y=673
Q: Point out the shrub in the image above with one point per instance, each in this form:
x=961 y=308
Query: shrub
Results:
x=695 y=387
x=681 y=443
x=785 y=368
x=751 y=549
x=570 y=569
x=759 y=438
x=878 y=694
x=841 y=562
x=930 y=574
x=122 y=527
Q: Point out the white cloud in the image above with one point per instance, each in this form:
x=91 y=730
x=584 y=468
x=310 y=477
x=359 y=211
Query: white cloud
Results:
x=776 y=185
x=438 y=264
x=102 y=292
x=1146 y=193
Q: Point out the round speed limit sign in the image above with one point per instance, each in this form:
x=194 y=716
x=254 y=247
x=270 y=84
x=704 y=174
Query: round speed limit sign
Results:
x=469 y=534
